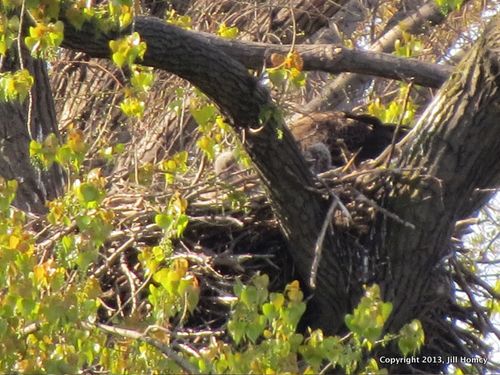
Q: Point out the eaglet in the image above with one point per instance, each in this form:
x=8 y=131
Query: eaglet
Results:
x=344 y=134
x=331 y=139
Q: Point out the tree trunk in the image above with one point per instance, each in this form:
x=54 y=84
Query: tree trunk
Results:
x=453 y=152
x=35 y=186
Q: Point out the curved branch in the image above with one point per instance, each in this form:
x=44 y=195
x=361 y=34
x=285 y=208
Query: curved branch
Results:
x=320 y=57
x=166 y=350
x=300 y=208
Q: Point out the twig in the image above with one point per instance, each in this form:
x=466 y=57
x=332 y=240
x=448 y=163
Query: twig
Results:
x=113 y=257
x=478 y=281
x=47 y=244
x=30 y=328
x=478 y=309
x=143 y=285
x=22 y=67
x=400 y=122
x=218 y=220
x=190 y=334
x=318 y=249
x=131 y=280
x=167 y=351
x=384 y=211
x=198 y=175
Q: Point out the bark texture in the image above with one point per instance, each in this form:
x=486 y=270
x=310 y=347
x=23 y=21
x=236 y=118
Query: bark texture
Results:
x=335 y=59
x=35 y=186
x=454 y=151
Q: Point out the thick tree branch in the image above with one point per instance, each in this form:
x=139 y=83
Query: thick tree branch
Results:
x=35 y=186
x=322 y=57
x=454 y=150
x=284 y=172
x=336 y=59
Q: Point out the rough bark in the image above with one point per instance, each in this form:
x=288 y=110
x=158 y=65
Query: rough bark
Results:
x=455 y=148
x=334 y=59
x=35 y=186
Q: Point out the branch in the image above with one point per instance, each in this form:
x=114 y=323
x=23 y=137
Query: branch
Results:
x=456 y=147
x=336 y=59
x=323 y=57
x=299 y=207
x=166 y=350
x=333 y=93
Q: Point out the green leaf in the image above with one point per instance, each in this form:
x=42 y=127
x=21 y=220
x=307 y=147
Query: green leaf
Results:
x=132 y=106
x=164 y=221
x=83 y=222
x=256 y=328
x=142 y=78
x=368 y=318
x=261 y=282
x=277 y=76
x=446 y=6
x=162 y=277
x=15 y=86
x=227 y=32
x=182 y=223
x=88 y=193
x=127 y=50
x=269 y=311
x=236 y=330
x=204 y=115
x=238 y=288
x=207 y=145
x=44 y=37
x=411 y=338
x=76 y=15
x=183 y=21
x=249 y=296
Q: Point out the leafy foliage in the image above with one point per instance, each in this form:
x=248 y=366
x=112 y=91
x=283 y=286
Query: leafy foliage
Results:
x=15 y=86
x=69 y=155
x=287 y=69
x=44 y=297
x=54 y=316
x=447 y=6
x=227 y=31
x=126 y=50
x=9 y=27
x=44 y=38
x=401 y=108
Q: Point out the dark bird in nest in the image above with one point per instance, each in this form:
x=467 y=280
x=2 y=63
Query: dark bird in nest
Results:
x=345 y=135
x=331 y=139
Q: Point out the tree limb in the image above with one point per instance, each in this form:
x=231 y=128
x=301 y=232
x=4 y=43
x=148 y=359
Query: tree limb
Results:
x=334 y=93
x=335 y=59
x=300 y=208
x=456 y=146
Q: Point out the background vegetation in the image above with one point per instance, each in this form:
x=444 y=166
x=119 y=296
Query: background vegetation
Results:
x=121 y=251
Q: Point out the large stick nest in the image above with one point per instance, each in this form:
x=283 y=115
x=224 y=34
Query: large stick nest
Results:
x=223 y=242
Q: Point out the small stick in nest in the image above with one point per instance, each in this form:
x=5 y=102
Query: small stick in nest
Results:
x=318 y=249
